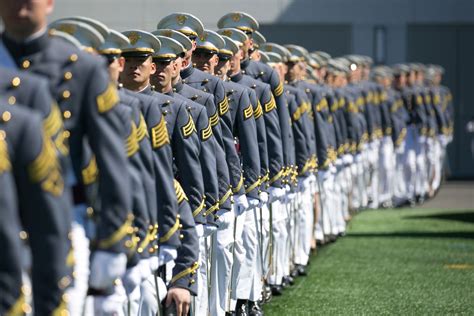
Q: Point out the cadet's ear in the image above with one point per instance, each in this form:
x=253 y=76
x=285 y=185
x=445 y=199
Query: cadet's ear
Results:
x=214 y=60
x=49 y=7
x=121 y=62
x=152 y=67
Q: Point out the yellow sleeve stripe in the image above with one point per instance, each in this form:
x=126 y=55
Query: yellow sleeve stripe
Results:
x=299 y=111
x=171 y=232
x=131 y=144
x=180 y=195
x=90 y=172
x=183 y=273
x=212 y=209
x=53 y=122
x=5 y=164
x=276 y=177
x=239 y=185
x=278 y=90
x=189 y=128
x=146 y=241
x=248 y=112
x=270 y=105
x=225 y=197
x=159 y=135
x=199 y=209
x=108 y=99
x=223 y=106
x=258 y=111
x=214 y=119
x=253 y=186
x=17 y=307
x=206 y=133
x=118 y=235
x=142 y=130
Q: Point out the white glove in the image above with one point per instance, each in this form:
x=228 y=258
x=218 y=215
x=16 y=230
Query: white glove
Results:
x=339 y=162
x=347 y=159
x=133 y=277
x=358 y=158
x=304 y=183
x=241 y=204
x=111 y=304
x=264 y=197
x=167 y=254
x=199 y=230
x=225 y=219
x=332 y=169
x=422 y=139
x=253 y=203
x=276 y=193
x=324 y=174
x=209 y=230
x=106 y=267
x=154 y=263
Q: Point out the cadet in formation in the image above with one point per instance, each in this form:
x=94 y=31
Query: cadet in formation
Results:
x=183 y=170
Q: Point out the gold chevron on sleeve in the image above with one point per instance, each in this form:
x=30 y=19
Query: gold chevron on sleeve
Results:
x=258 y=111
x=270 y=105
x=188 y=128
x=142 y=130
x=180 y=195
x=206 y=132
x=223 y=106
x=248 y=112
x=159 y=135
x=278 y=90
x=107 y=99
x=214 y=119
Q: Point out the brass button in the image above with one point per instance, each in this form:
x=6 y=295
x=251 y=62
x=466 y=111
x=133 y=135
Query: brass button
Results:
x=23 y=235
x=73 y=57
x=66 y=94
x=16 y=82
x=68 y=75
x=181 y=236
x=11 y=100
x=67 y=114
x=6 y=116
x=66 y=134
x=192 y=281
x=25 y=64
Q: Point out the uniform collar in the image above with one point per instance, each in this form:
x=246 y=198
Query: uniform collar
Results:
x=20 y=50
x=147 y=90
x=244 y=63
x=237 y=77
x=186 y=72
x=178 y=86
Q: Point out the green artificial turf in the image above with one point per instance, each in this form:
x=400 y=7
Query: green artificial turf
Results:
x=392 y=262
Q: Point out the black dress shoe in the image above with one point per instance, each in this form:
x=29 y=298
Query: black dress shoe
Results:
x=267 y=293
x=241 y=309
x=301 y=270
x=287 y=281
x=254 y=309
x=294 y=273
x=229 y=313
x=277 y=290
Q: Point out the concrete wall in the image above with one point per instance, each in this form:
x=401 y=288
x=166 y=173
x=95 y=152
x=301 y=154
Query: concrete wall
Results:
x=363 y=15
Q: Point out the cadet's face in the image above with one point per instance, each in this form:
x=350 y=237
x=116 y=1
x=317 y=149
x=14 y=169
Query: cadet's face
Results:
x=222 y=68
x=292 y=71
x=138 y=70
x=411 y=77
x=235 y=62
x=115 y=68
x=205 y=61
x=255 y=55
x=164 y=73
x=25 y=17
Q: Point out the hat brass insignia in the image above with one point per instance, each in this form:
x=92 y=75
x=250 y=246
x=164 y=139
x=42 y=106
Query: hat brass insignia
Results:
x=181 y=19
x=236 y=17
x=133 y=37
x=69 y=29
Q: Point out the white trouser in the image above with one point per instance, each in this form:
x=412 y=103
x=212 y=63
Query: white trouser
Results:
x=247 y=269
x=280 y=235
x=432 y=156
x=399 y=182
x=410 y=162
x=221 y=268
x=148 y=303
x=289 y=243
x=438 y=163
x=80 y=244
x=202 y=298
x=111 y=304
x=239 y=256
x=386 y=170
x=421 y=179
x=340 y=199
x=305 y=225
x=373 y=153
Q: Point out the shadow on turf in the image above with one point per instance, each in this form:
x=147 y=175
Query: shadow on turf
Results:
x=466 y=216
x=458 y=235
